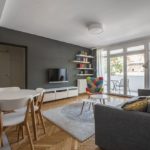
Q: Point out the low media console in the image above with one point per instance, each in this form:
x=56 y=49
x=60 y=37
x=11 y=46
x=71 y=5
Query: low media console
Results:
x=60 y=93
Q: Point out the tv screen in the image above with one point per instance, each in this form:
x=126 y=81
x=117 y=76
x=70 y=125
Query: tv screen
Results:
x=57 y=75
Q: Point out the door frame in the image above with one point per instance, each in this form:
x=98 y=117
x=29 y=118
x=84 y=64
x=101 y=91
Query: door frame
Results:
x=26 y=59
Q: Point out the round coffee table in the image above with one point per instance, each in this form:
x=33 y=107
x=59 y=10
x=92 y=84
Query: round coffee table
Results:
x=100 y=97
x=94 y=99
x=90 y=102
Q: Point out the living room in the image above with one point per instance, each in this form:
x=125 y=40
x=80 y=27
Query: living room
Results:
x=74 y=75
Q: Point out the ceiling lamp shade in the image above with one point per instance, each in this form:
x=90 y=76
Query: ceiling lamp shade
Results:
x=95 y=28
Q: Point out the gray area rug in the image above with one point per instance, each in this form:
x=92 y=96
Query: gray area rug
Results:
x=69 y=119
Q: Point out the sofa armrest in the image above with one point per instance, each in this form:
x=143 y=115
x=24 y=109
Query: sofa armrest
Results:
x=116 y=129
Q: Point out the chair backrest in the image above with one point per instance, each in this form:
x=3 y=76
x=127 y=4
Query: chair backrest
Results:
x=10 y=105
x=40 y=90
x=95 y=85
x=9 y=89
x=40 y=97
x=121 y=83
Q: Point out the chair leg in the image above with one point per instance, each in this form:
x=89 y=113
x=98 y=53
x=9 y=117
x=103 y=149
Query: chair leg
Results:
x=38 y=120
x=1 y=130
x=18 y=128
x=22 y=132
x=42 y=121
x=29 y=135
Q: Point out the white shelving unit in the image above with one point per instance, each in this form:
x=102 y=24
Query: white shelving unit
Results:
x=60 y=93
x=84 y=64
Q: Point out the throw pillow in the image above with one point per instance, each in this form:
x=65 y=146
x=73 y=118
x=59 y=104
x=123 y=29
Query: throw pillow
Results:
x=139 y=105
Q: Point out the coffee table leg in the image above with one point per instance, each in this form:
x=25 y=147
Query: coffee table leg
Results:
x=93 y=107
x=103 y=101
x=100 y=100
x=89 y=106
x=82 y=108
x=33 y=120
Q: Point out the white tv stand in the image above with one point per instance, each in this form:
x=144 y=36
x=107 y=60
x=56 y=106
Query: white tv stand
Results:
x=60 y=93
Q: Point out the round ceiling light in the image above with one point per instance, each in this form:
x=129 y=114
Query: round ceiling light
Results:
x=95 y=28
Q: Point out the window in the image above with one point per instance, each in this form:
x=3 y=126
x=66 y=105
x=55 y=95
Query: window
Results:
x=116 y=51
x=135 y=48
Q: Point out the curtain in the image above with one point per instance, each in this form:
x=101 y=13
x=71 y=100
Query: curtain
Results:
x=99 y=58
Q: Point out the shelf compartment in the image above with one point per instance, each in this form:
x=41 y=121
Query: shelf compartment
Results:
x=85 y=74
x=85 y=68
x=86 y=56
x=80 y=62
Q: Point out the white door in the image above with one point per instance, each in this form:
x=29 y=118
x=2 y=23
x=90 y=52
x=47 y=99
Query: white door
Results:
x=12 y=66
x=4 y=68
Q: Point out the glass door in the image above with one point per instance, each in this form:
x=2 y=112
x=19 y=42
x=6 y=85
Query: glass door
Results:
x=117 y=75
x=135 y=73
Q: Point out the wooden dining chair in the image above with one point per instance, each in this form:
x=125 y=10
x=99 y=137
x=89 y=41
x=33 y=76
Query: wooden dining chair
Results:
x=37 y=107
x=15 y=118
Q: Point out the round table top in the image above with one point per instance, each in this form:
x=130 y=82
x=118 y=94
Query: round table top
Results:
x=98 y=96
x=23 y=93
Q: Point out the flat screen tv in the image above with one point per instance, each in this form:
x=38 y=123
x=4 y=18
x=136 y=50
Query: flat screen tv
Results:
x=57 y=75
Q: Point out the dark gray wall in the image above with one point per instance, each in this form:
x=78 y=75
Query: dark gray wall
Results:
x=43 y=53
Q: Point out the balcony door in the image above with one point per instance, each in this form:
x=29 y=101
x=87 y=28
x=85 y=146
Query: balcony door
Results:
x=117 y=75
x=135 y=73
x=126 y=70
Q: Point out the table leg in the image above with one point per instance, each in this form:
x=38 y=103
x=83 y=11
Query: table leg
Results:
x=82 y=108
x=33 y=120
x=100 y=100
x=90 y=106
x=103 y=101
x=1 y=129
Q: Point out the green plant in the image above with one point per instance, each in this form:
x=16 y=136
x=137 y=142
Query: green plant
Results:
x=116 y=65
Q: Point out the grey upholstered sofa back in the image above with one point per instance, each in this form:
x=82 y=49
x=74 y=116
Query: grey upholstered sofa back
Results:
x=116 y=129
x=143 y=92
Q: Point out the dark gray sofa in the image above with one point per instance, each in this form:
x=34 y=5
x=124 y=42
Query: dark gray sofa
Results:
x=143 y=92
x=116 y=129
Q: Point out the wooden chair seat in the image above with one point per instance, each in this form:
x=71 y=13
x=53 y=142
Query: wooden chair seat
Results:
x=15 y=118
x=12 y=119
x=23 y=110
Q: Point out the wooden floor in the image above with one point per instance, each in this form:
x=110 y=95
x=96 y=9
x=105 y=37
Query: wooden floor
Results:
x=55 y=138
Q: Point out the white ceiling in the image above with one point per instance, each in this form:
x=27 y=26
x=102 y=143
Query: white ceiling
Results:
x=67 y=20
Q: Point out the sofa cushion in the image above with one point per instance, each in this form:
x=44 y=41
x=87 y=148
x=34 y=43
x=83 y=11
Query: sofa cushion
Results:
x=139 y=105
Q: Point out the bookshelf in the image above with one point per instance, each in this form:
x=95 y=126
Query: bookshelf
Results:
x=84 y=64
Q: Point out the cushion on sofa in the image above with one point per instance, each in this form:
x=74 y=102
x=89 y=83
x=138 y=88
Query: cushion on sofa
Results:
x=139 y=105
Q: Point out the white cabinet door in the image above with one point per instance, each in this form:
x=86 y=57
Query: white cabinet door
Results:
x=49 y=96
x=82 y=85
x=73 y=92
x=60 y=94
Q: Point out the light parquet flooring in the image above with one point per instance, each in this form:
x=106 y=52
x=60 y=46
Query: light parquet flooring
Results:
x=55 y=138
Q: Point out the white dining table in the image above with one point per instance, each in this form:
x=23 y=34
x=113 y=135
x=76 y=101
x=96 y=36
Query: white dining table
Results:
x=19 y=94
